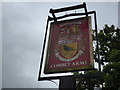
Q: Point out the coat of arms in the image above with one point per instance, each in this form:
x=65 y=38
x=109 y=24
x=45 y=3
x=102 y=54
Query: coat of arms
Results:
x=69 y=45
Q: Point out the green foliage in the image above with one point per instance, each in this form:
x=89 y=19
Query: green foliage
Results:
x=93 y=81
x=109 y=50
x=112 y=74
x=113 y=55
x=109 y=42
x=88 y=82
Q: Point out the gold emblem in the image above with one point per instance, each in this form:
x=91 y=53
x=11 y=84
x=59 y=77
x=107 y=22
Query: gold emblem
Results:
x=69 y=50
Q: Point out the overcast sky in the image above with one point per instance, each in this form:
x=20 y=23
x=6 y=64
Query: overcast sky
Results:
x=119 y=14
x=0 y=45
x=23 y=26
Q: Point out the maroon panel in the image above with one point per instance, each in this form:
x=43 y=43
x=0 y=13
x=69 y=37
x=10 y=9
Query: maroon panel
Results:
x=69 y=46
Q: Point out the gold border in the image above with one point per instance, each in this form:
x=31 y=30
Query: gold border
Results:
x=90 y=42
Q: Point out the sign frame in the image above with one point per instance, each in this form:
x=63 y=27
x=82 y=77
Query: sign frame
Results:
x=54 y=18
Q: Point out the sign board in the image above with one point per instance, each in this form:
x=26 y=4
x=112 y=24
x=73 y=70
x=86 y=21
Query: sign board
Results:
x=69 y=46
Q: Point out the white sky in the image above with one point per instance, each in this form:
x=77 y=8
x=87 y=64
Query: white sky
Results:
x=23 y=27
x=0 y=45
x=119 y=14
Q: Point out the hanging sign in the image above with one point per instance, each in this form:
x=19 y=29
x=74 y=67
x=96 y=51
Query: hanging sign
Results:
x=69 y=46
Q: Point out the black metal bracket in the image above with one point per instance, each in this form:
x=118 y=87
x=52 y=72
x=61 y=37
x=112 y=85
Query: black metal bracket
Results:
x=81 y=6
x=53 y=11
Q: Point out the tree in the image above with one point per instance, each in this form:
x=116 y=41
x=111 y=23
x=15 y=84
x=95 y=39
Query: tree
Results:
x=109 y=43
x=109 y=51
x=90 y=80
x=112 y=74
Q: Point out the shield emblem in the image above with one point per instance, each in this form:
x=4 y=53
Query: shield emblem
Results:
x=68 y=50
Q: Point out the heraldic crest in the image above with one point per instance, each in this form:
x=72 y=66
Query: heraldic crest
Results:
x=69 y=44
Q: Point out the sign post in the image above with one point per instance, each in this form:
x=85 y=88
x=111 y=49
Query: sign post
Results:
x=69 y=46
x=68 y=83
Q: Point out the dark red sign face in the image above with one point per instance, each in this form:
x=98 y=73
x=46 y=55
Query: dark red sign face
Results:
x=69 y=46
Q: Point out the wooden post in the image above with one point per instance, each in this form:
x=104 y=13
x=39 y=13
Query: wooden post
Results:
x=67 y=83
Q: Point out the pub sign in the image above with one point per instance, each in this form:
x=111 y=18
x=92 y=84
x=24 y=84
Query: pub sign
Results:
x=69 y=46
